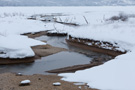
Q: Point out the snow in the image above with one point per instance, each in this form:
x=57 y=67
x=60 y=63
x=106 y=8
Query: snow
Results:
x=59 y=28
x=57 y=84
x=17 y=46
x=25 y=82
x=20 y=25
x=117 y=74
x=115 y=33
x=76 y=19
x=12 y=43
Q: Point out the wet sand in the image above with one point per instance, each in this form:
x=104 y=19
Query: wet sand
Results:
x=9 y=81
x=46 y=50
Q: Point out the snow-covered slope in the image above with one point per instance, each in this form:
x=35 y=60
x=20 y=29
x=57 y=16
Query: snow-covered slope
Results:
x=117 y=74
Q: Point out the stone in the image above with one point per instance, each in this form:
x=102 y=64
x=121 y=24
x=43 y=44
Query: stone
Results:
x=57 y=84
x=39 y=78
x=19 y=74
x=25 y=83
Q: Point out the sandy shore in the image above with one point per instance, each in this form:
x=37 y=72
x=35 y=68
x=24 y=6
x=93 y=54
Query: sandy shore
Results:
x=9 y=81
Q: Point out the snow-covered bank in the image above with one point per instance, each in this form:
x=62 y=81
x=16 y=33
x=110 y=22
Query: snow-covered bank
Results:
x=14 y=45
x=120 y=34
x=117 y=74
x=17 y=46
x=19 y=25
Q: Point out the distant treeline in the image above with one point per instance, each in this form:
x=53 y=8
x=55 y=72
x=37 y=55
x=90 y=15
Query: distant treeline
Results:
x=66 y=2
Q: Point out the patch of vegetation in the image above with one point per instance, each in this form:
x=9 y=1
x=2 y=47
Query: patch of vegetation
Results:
x=121 y=16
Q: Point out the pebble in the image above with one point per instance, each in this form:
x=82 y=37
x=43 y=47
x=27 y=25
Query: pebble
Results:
x=25 y=83
x=56 y=84
x=19 y=74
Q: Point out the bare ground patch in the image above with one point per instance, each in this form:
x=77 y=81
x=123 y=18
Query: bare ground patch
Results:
x=10 y=81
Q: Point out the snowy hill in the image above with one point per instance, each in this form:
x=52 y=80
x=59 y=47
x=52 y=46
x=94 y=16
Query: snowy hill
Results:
x=66 y=2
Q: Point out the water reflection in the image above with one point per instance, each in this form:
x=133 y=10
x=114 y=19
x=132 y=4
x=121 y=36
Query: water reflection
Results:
x=55 y=61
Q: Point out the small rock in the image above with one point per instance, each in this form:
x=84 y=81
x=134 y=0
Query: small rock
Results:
x=39 y=78
x=19 y=74
x=56 y=84
x=25 y=83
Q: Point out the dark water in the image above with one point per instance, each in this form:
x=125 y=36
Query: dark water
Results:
x=59 y=60
x=55 y=61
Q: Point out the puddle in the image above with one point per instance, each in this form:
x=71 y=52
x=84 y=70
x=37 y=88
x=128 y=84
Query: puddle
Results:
x=55 y=61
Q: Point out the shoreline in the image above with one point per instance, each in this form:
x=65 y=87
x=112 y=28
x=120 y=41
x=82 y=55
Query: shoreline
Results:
x=40 y=52
x=95 y=46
